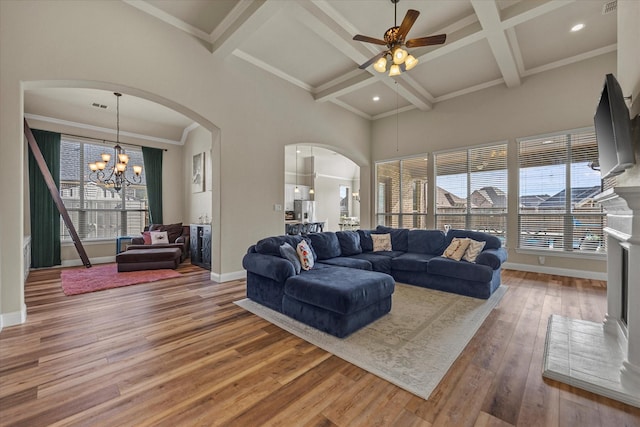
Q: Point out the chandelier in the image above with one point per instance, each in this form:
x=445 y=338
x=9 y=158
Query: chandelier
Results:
x=114 y=176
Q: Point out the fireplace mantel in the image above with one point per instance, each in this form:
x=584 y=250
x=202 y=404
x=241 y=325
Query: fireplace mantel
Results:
x=604 y=358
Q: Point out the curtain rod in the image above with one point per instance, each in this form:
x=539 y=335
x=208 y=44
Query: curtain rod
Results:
x=106 y=140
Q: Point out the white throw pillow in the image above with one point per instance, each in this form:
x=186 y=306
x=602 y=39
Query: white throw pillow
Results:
x=473 y=250
x=305 y=255
x=457 y=248
x=159 y=238
x=381 y=242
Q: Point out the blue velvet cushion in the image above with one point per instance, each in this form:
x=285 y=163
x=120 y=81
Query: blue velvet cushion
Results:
x=349 y=242
x=379 y=262
x=360 y=264
x=399 y=237
x=426 y=242
x=411 y=261
x=325 y=245
x=492 y=241
x=365 y=240
x=271 y=245
x=289 y=253
x=460 y=269
x=338 y=289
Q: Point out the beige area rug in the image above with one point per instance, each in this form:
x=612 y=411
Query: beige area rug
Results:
x=412 y=347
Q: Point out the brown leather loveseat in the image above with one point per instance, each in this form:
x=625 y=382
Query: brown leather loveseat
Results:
x=178 y=236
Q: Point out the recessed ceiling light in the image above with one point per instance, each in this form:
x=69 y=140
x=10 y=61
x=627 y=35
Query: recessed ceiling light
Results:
x=577 y=27
x=376 y=98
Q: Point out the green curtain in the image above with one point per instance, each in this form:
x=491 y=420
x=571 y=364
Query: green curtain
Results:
x=45 y=218
x=153 y=173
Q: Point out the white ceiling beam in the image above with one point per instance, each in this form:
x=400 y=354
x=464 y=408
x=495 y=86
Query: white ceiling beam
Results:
x=271 y=69
x=254 y=15
x=358 y=81
x=171 y=20
x=527 y=10
x=489 y=17
x=320 y=17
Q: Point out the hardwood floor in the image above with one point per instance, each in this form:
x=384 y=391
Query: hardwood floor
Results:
x=179 y=352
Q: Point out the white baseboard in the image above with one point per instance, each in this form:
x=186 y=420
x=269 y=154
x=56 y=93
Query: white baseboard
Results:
x=227 y=277
x=14 y=318
x=98 y=260
x=580 y=274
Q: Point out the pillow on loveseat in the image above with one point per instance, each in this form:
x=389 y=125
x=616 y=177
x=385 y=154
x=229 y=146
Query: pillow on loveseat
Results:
x=381 y=242
x=173 y=230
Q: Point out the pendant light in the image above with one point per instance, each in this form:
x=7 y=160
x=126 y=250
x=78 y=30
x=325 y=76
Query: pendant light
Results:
x=297 y=190
x=311 y=190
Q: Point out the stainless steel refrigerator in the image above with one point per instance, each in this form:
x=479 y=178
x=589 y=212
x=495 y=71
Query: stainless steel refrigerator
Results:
x=305 y=210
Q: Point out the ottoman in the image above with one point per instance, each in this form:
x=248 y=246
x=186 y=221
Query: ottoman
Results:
x=148 y=259
x=336 y=300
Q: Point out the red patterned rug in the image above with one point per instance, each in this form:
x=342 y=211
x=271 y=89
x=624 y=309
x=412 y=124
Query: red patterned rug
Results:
x=105 y=276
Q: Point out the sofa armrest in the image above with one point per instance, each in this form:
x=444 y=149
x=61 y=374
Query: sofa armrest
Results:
x=272 y=267
x=492 y=257
x=137 y=241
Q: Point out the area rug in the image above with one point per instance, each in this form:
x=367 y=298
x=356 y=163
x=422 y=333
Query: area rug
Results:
x=413 y=346
x=97 y=278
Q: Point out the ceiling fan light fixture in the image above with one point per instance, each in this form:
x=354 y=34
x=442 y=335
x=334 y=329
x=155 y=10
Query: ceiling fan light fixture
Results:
x=399 y=55
x=394 y=70
x=380 y=65
x=410 y=62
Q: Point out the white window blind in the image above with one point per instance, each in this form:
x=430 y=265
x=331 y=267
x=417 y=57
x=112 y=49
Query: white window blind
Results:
x=557 y=210
x=471 y=189
x=96 y=211
x=401 y=193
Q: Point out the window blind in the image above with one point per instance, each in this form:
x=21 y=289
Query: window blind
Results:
x=401 y=192
x=471 y=189
x=558 y=183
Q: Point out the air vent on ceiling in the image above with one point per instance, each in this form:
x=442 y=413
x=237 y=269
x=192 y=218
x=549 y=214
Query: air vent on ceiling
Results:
x=95 y=104
x=610 y=7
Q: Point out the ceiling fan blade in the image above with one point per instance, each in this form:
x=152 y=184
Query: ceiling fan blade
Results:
x=426 y=41
x=407 y=23
x=368 y=39
x=372 y=60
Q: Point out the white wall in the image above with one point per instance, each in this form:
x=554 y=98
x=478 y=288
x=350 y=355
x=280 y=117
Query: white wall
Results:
x=557 y=100
x=111 y=44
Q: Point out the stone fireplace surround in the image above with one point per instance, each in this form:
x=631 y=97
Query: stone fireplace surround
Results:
x=604 y=358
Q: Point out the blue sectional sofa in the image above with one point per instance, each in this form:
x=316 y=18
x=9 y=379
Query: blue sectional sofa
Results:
x=350 y=285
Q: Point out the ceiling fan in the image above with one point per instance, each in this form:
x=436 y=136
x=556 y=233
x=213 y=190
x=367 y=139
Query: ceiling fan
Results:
x=394 y=40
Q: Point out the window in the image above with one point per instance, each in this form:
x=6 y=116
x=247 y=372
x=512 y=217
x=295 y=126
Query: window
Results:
x=471 y=190
x=96 y=211
x=550 y=168
x=401 y=190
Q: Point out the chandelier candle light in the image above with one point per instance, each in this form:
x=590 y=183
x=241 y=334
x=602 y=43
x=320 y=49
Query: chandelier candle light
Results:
x=116 y=178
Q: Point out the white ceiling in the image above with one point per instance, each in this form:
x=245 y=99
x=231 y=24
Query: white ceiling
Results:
x=489 y=42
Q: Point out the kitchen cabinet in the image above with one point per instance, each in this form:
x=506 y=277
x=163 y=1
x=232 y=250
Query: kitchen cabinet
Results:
x=200 y=245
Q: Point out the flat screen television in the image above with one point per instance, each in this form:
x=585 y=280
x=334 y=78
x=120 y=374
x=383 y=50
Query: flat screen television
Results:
x=613 y=130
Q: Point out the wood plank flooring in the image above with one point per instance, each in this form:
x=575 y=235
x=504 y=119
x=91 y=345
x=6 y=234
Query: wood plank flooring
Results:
x=179 y=352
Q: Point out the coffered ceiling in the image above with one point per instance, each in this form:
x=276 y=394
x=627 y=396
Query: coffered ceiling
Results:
x=309 y=43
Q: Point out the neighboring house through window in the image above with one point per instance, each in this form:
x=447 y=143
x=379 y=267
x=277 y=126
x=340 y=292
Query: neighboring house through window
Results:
x=471 y=189
x=558 y=183
x=96 y=211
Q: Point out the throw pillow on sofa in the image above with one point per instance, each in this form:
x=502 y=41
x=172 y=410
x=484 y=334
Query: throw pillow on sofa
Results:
x=456 y=249
x=159 y=238
x=473 y=250
x=173 y=230
x=381 y=242
x=305 y=255
x=287 y=252
x=146 y=236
